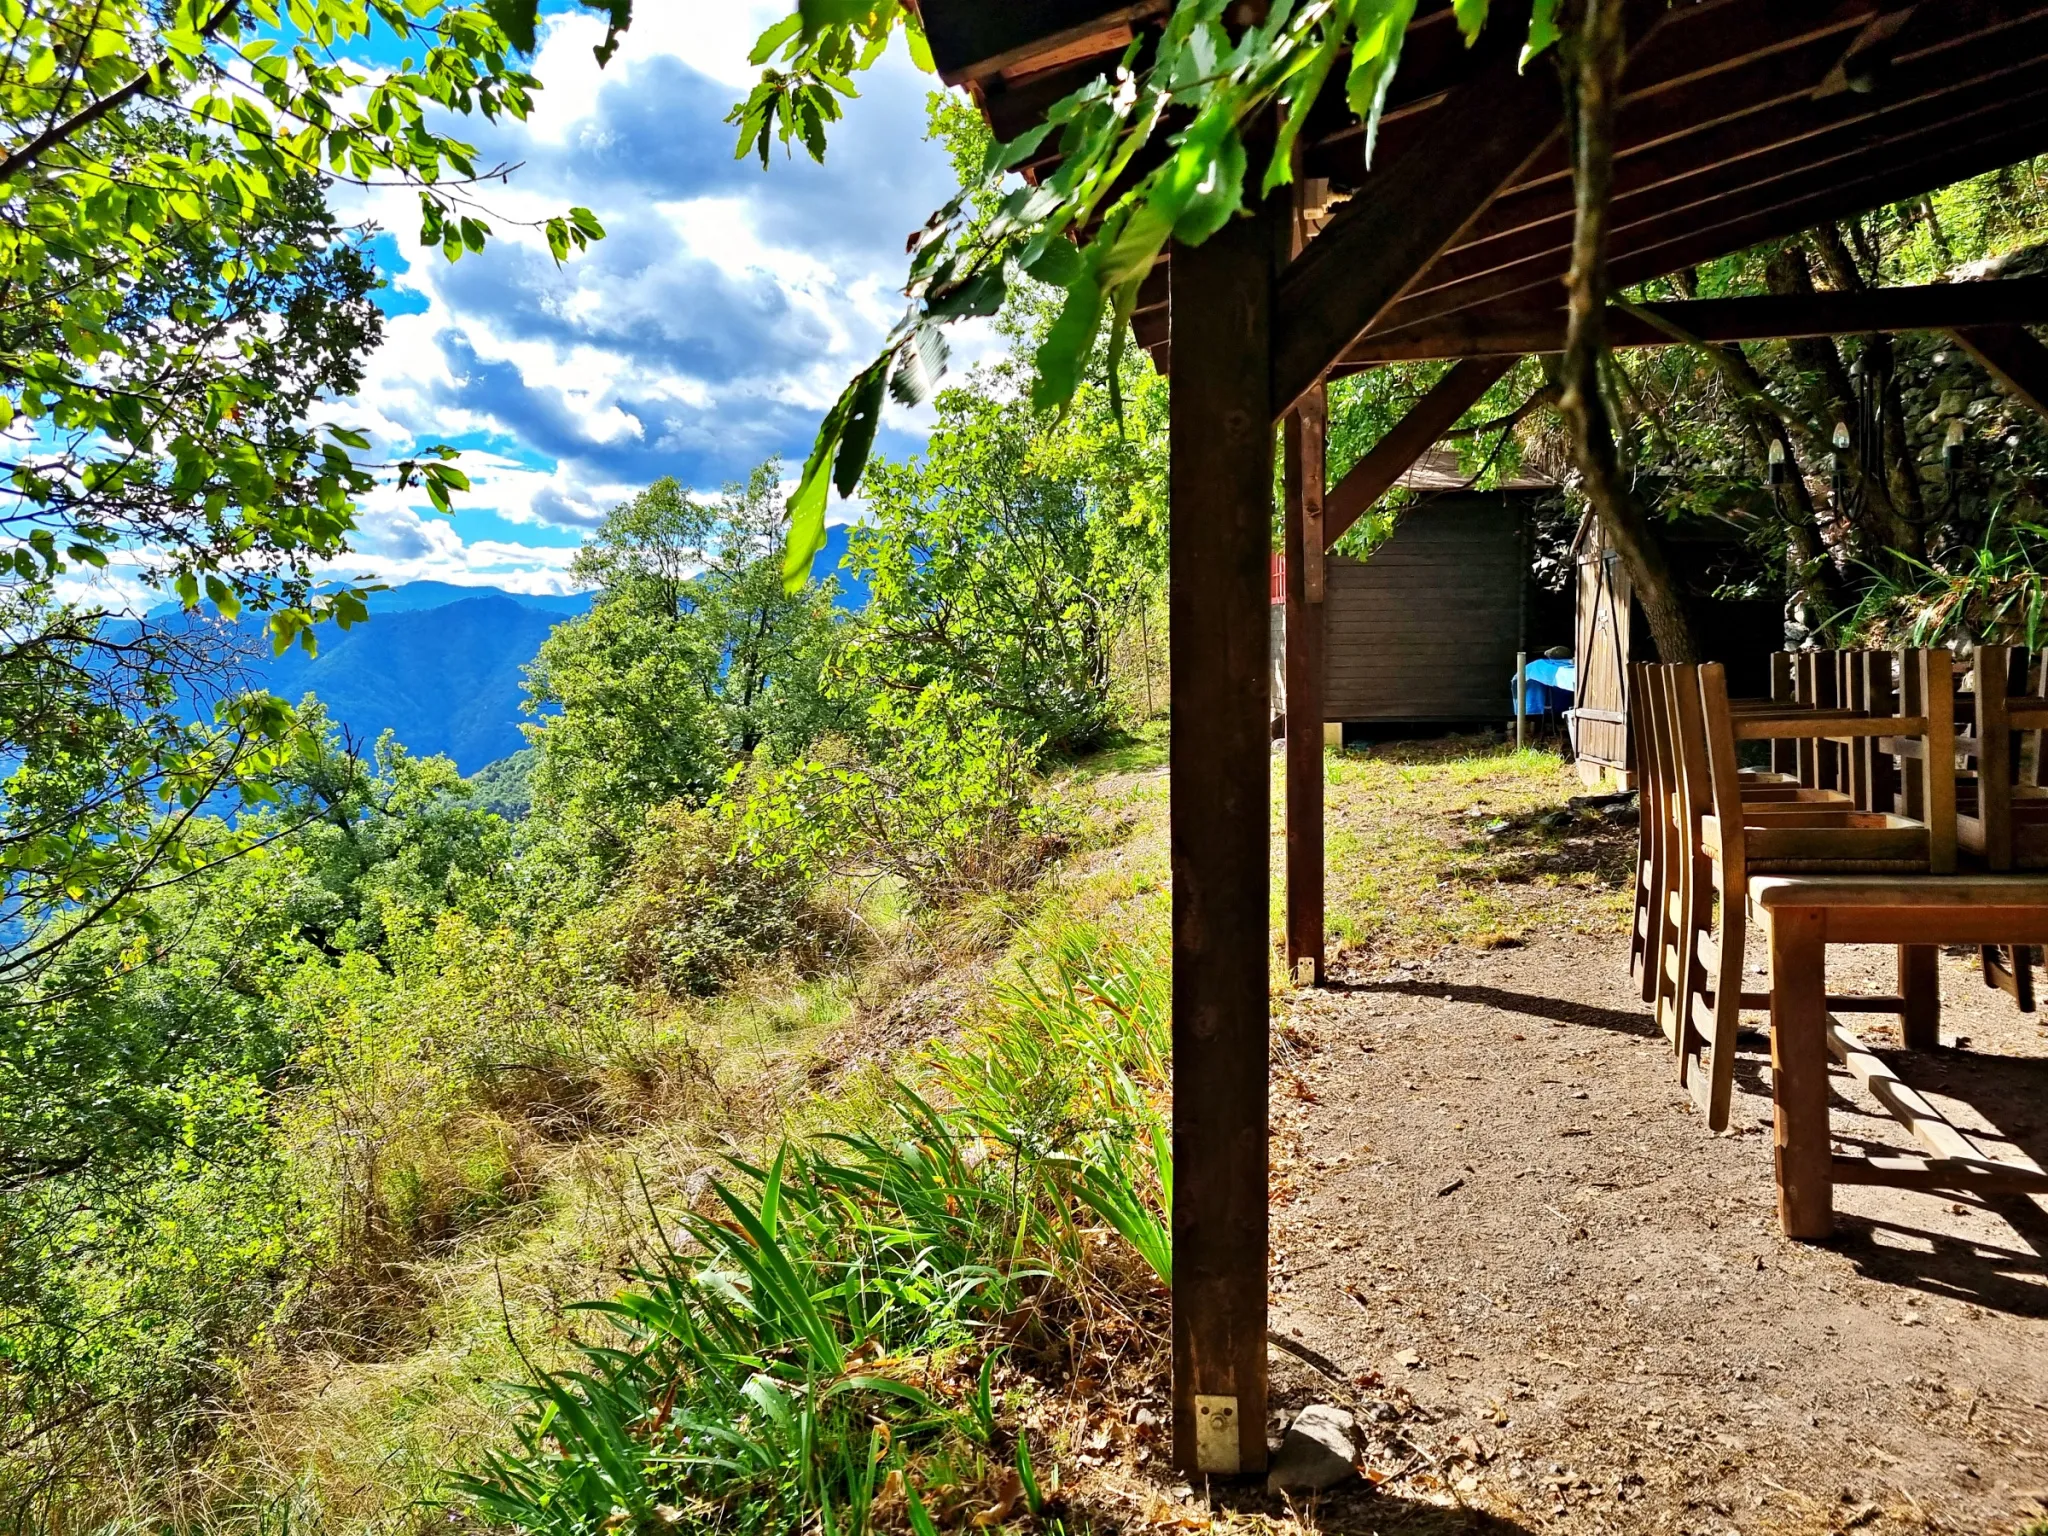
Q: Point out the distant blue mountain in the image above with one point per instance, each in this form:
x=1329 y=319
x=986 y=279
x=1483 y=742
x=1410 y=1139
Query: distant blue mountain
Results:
x=445 y=678
x=417 y=595
x=441 y=665
x=414 y=596
x=853 y=590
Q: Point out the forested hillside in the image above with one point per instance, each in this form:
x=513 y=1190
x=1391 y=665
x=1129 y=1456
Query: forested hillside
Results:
x=446 y=679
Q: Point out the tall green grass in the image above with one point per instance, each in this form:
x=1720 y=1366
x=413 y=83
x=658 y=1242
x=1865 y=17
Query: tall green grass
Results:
x=821 y=1347
x=1991 y=590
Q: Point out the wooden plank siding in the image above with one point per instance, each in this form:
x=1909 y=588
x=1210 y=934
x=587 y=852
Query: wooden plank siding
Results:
x=1426 y=630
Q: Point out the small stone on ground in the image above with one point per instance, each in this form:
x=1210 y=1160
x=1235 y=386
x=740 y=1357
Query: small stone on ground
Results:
x=1317 y=1454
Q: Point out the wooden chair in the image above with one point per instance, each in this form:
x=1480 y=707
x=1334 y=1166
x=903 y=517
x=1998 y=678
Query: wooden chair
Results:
x=1736 y=841
x=1652 y=807
x=1674 y=881
x=1659 y=958
x=2002 y=817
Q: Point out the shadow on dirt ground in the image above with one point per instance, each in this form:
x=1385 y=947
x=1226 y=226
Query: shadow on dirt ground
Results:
x=1555 y=1010
x=1369 y=1512
x=1495 y=1204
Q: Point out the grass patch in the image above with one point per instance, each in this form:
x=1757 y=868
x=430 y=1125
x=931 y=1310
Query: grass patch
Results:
x=1461 y=841
x=825 y=1344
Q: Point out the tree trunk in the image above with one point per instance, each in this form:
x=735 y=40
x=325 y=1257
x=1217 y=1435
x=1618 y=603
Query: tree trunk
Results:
x=1593 y=82
x=1830 y=396
x=1815 y=577
x=1901 y=476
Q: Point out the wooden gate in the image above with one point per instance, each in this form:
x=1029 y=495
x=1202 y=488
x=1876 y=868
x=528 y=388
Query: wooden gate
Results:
x=1599 y=716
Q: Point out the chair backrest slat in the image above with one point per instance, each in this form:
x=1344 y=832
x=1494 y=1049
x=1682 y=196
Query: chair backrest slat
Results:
x=1723 y=768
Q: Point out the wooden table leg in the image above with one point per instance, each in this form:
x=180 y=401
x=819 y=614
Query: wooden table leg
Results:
x=1920 y=986
x=1799 y=1072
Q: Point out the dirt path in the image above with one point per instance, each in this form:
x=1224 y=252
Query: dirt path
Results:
x=1494 y=1201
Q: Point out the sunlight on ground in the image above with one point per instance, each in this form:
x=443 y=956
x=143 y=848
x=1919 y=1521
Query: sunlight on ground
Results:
x=1458 y=841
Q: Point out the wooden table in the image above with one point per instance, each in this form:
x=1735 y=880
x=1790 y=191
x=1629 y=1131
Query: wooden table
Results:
x=1802 y=915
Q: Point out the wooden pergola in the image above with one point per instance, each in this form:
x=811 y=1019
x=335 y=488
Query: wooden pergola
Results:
x=1743 y=121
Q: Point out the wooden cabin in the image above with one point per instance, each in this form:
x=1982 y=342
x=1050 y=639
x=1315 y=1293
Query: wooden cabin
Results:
x=1610 y=631
x=1424 y=633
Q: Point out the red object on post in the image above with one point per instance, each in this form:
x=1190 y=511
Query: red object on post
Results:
x=1279 y=593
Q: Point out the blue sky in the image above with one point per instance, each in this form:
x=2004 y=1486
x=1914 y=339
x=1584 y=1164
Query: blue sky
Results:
x=709 y=331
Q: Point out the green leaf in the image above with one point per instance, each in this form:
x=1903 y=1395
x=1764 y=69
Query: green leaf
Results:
x=923 y=363
x=1302 y=97
x=1471 y=16
x=1059 y=264
x=772 y=39
x=1063 y=354
x=618 y=17
x=1217 y=153
x=515 y=18
x=919 y=45
x=807 y=502
x=1375 y=55
x=981 y=294
x=819 y=15
x=1543 y=32
x=858 y=437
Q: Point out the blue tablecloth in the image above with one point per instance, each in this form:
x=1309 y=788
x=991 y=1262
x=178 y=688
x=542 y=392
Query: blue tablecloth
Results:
x=1550 y=685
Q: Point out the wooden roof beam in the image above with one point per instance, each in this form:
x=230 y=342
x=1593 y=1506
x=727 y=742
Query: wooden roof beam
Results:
x=1413 y=436
x=1526 y=224
x=2011 y=356
x=1383 y=239
x=1781 y=198
x=1687 y=63
x=2005 y=302
x=1998 y=143
x=973 y=42
x=1758 y=112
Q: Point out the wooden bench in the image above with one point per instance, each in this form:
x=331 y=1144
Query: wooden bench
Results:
x=1802 y=915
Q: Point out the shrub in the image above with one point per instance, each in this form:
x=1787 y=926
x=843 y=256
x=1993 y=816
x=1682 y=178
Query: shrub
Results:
x=943 y=801
x=700 y=903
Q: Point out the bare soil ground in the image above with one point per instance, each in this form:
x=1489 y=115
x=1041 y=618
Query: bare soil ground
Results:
x=1568 y=1307
x=1505 y=1209
x=1558 y=1302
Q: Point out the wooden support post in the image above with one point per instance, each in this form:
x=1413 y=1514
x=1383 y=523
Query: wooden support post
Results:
x=1304 y=434
x=1799 y=1072
x=1521 y=700
x=1221 y=494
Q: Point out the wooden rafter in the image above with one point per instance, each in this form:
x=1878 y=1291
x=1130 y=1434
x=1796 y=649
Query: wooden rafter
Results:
x=1766 y=317
x=1731 y=135
x=970 y=43
x=2013 y=357
x=1381 y=242
x=1700 y=212
x=1395 y=454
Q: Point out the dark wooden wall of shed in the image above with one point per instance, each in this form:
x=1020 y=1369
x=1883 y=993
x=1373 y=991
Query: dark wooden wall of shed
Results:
x=1427 y=629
